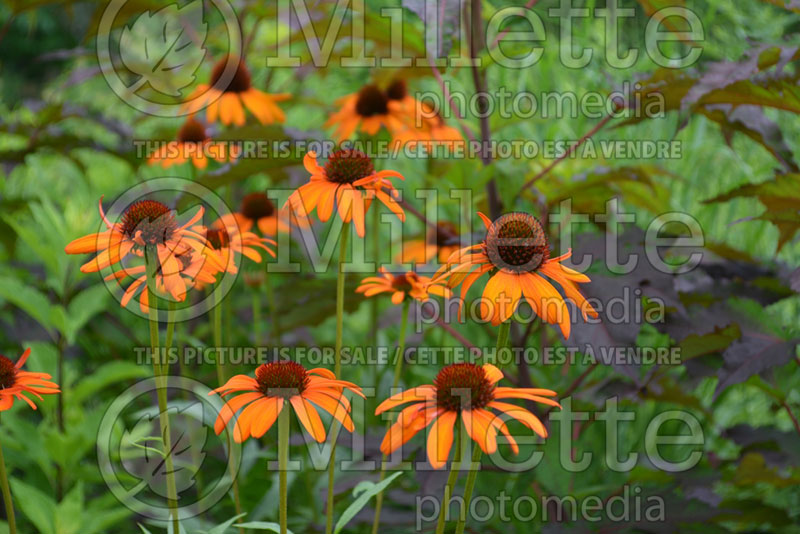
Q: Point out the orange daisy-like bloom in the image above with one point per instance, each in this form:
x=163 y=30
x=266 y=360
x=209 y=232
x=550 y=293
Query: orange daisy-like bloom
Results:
x=264 y=396
x=401 y=285
x=434 y=132
x=258 y=210
x=348 y=179
x=228 y=102
x=175 y=277
x=368 y=110
x=516 y=254
x=145 y=223
x=193 y=145
x=15 y=383
x=230 y=244
x=466 y=391
x=421 y=124
x=438 y=245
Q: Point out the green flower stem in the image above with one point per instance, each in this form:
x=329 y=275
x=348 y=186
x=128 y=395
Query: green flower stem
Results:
x=376 y=247
x=217 y=326
x=283 y=464
x=502 y=342
x=273 y=309
x=502 y=336
x=151 y=264
x=452 y=478
x=398 y=368
x=337 y=369
x=255 y=304
x=7 y=500
x=473 y=474
x=216 y=318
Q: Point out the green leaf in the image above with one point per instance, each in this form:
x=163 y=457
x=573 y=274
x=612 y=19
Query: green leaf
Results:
x=37 y=506
x=69 y=513
x=222 y=527
x=29 y=300
x=261 y=525
x=83 y=307
x=363 y=493
x=696 y=345
x=104 y=376
x=781 y=197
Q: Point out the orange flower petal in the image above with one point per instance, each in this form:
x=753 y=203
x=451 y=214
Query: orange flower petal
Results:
x=309 y=417
x=440 y=439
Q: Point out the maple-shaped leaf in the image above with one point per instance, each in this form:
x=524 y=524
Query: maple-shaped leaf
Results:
x=781 y=197
x=143 y=453
x=165 y=48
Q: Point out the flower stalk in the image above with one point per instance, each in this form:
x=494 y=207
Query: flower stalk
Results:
x=283 y=464
x=452 y=478
x=337 y=366
x=502 y=342
x=220 y=368
x=7 y=500
x=398 y=369
x=159 y=371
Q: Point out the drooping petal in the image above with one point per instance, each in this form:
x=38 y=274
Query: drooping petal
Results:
x=269 y=410
x=421 y=393
x=440 y=439
x=522 y=415
x=309 y=417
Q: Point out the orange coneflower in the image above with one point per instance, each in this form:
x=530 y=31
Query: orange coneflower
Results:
x=516 y=254
x=228 y=102
x=401 y=285
x=258 y=210
x=421 y=124
x=230 y=243
x=263 y=399
x=184 y=271
x=145 y=223
x=349 y=180
x=464 y=390
x=433 y=132
x=367 y=110
x=193 y=145
x=15 y=383
x=439 y=244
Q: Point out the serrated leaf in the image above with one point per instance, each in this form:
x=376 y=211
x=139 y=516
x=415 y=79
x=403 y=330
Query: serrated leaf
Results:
x=781 y=197
x=159 y=49
x=696 y=345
